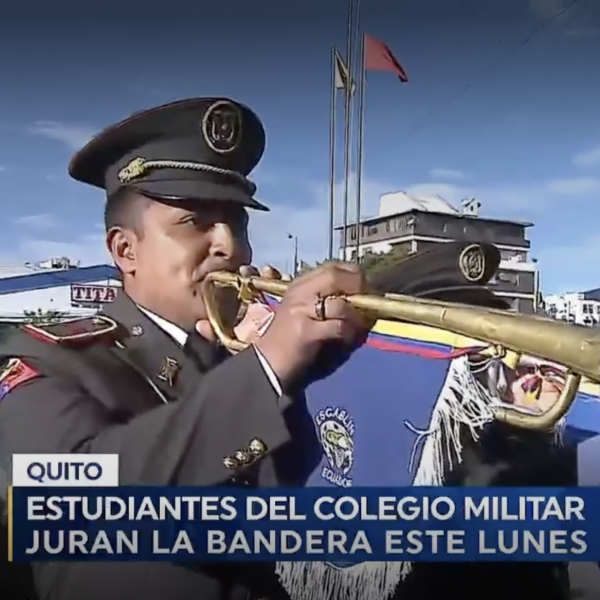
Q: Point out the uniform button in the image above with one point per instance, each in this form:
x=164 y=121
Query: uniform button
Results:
x=257 y=447
x=231 y=463
x=243 y=458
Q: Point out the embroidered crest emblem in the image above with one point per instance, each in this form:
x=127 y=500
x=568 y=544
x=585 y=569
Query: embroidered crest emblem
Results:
x=472 y=263
x=336 y=433
x=222 y=127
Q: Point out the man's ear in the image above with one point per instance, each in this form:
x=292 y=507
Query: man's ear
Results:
x=122 y=245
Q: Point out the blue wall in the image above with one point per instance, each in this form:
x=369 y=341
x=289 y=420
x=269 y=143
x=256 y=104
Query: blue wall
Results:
x=51 y=279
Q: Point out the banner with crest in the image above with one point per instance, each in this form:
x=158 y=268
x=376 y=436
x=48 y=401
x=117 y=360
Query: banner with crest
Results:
x=398 y=414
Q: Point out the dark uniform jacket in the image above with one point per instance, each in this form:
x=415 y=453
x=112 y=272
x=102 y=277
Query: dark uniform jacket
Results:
x=110 y=392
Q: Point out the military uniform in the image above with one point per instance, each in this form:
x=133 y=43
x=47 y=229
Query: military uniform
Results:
x=177 y=410
x=502 y=456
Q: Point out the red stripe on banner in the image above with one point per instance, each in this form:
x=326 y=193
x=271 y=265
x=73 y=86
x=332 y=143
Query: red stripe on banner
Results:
x=417 y=350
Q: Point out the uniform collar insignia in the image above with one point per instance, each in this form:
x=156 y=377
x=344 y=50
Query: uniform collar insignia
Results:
x=168 y=371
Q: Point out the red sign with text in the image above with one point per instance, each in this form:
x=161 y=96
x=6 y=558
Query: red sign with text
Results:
x=93 y=294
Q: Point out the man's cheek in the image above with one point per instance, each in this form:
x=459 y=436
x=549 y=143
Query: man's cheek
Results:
x=246 y=254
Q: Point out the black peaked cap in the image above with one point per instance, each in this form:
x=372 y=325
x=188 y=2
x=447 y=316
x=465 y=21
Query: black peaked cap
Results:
x=449 y=272
x=198 y=149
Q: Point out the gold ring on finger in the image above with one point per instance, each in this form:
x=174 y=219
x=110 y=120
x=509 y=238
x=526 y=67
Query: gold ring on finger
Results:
x=320 y=311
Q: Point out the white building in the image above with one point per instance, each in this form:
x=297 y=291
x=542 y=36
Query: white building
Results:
x=55 y=285
x=574 y=307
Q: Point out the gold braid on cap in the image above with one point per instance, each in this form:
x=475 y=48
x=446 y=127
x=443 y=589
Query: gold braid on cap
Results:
x=139 y=167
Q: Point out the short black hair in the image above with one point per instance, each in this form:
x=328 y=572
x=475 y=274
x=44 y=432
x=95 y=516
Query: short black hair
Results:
x=124 y=209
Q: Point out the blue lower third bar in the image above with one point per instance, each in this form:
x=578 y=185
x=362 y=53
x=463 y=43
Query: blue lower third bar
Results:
x=342 y=527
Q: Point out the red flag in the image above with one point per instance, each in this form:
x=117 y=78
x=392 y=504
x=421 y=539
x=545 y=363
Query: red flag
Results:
x=378 y=57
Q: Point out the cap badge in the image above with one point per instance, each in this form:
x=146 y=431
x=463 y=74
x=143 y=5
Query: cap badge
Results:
x=472 y=263
x=222 y=127
x=133 y=170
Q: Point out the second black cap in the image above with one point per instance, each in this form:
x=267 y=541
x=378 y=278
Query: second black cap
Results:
x=450 y=272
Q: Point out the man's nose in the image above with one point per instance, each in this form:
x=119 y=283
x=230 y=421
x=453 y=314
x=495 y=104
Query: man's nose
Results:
x=226 y=244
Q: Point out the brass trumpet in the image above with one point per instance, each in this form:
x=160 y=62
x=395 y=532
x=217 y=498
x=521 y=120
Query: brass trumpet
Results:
x=575 y=348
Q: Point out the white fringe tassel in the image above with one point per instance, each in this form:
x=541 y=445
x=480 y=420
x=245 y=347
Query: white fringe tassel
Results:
x=463 y=401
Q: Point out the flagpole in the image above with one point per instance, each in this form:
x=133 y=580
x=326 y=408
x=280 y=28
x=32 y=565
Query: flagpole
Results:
x=347 y=122
x=296 y=265
x=332 y=157
x=536 y=290
x=361 y=126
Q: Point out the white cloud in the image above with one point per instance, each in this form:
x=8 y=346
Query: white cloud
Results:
x=504 y=199
x=570 y=268
x=588 y=158
x=547 y=9
x=74 y=136
x=576 y=18
x=88 y=249
x=582 y=30
x=577 y=187
x=451 y=192
x=39 y=222
x=446 y=173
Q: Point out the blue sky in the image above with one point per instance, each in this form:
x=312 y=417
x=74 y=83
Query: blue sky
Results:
x=516 y=124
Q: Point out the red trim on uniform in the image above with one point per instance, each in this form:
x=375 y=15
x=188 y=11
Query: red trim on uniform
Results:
x=39 y=334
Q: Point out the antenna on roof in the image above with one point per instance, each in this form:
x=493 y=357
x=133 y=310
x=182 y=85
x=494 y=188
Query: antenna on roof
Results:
x=471 y=206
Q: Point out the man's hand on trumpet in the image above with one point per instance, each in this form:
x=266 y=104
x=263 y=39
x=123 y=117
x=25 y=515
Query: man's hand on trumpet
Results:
x=315 y=330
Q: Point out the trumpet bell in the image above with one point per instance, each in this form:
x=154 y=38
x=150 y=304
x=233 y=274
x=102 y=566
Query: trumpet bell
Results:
x=575 y=348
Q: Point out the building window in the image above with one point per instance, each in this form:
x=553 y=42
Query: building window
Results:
x=352 y=233
x=399 y=224
x=508 y=277
x=373 y=230
x=513 y=255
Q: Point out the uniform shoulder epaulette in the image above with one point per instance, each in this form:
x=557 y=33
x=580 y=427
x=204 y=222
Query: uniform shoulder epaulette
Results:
x=80 y=331
x=14 y=373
